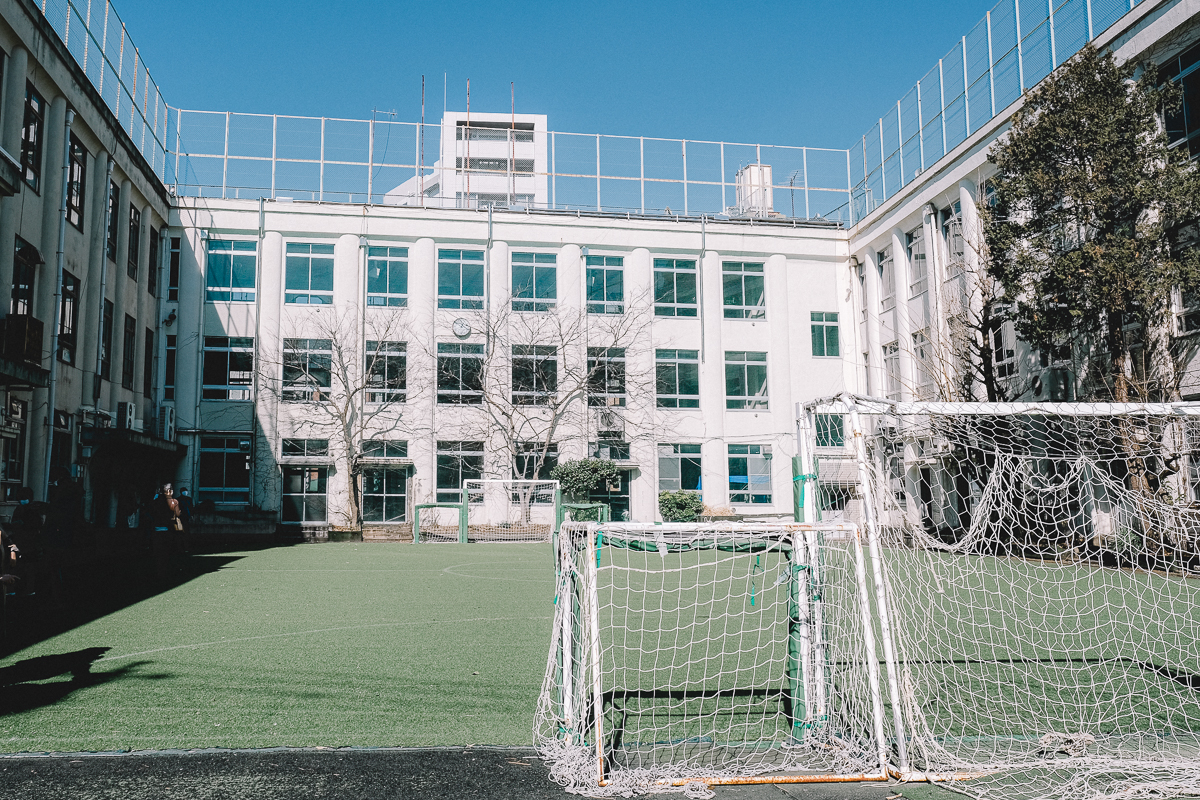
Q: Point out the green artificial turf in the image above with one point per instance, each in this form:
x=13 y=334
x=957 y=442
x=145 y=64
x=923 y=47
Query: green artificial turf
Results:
x=336 y=644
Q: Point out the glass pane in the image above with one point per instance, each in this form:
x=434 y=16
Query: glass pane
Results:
x=218 y=269
x=398 y=278
x=448 y=279
x=243 y=272
x=685 y=287
x=322 y=274
x=296 y=273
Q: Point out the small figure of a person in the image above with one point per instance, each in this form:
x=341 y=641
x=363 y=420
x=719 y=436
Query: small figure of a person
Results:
x=164 y=517
x=186 y=511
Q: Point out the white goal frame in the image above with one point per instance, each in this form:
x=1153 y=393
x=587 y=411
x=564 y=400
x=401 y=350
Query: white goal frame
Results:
x=489 y=505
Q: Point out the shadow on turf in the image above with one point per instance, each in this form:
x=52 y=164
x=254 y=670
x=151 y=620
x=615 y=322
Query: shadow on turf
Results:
x=21 y=688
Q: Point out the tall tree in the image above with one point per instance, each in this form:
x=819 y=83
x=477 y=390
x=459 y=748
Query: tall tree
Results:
x=1085 y=228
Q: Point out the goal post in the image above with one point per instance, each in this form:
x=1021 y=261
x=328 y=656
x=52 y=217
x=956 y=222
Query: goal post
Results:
x=711 y=653
x=499 y=510
x=1039 y=565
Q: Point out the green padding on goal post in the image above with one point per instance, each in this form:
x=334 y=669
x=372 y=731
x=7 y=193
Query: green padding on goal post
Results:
x=462 y=519
x=659 y=546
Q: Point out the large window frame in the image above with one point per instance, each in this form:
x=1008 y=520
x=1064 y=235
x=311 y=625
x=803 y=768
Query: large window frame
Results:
x=386 y=370
x=224 y=470
x=744 y=290
x=308 y=274
x=68 y=318
x=606 y=377
x=825 y=338
x=387 y=277
x=675 y=287
x=114 y=221
x=679 y=468
x=304 y=497
x=918 y=263
x=228 y=370
x=749 y=474
x=534 y=281
x=1183 y=125
x=534 y=374
x=32 y=135
x=173 y=269
x=677 y=378
x=134 y=246
x=459 y=373
x=128 y=352
x=77 y=182
x=307 y=370
x=384 y=494
x=106 y=341
x=457 y=461
x=460 y=279
x=231 y=269
x=605 y=278
x=746 y=385
x=169 y=356
x=831 y=431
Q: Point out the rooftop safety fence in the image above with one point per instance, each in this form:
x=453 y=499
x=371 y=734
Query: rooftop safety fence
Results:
x=95 y=35
x=381 y=161
x=1014 y=46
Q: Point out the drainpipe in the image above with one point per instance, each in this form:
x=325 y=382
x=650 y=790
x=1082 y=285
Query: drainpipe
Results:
x=98 y=381
x=62 y=242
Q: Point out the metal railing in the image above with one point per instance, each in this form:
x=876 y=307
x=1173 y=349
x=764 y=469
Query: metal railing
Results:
x=231 y=155
x=1014 y=46
x=96 y=37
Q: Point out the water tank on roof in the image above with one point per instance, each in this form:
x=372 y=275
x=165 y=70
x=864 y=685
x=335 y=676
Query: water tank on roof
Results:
x=754 y=194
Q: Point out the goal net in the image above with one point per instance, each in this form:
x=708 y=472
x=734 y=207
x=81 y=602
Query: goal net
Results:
x=1042 y=579
x=689 y=653
x=511 y=510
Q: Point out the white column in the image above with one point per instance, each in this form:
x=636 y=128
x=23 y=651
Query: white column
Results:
x=418 y=419
x=713 y=455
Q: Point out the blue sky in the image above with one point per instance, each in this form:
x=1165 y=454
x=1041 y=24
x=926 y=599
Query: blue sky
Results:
x=811 y=73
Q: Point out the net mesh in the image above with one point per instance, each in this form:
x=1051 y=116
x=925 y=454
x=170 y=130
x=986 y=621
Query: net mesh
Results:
x=1041 y=568
x=687 y=653
x=511 y=510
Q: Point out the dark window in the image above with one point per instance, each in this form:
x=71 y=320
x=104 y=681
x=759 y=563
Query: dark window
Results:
x=534 y=374
x=293 y=448
x=229 y=274
x=168 y=367
x=303 y=497
x=224 y=475
x=534 y=281
x=605 y=285
x=25 y=262
x=31 y=137
x=228 y=367
x=674 y=287
x=309 y=274
x=460 y=373
x=825 y=334
x=307 y=370
x=14 y=450
x=68 y=318
x=77 y=185
x=152 y=264
x=534 y=461
x=745 y=297
x=830 y=431
x=678 y=467
x=460 y=279
x=128 y=352
x=1183 y=125
x=610 y=446
x=148 y=365
x=106 y=342
x=606 y=376
x=135 y=241
x=387 y=372
x=173 y=270
x=387 y=276
x=383 y=448
x=385 y=494
x=745 y=380
x=114 y=200
x=457 y=462
x=677 y=378
x=749 y=474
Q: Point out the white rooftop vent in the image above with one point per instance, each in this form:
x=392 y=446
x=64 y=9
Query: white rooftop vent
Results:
x=755 y=197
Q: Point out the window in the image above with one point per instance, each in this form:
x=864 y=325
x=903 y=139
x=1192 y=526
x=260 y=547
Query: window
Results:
x=303 y=498
x=534 y=374
x=77 y=182
x=1191 y=443
x=674 y=287
x=1188 y=317
x=25 y=263
x=385 y=494
x=745 y=380
x=952 y=235
x=887 y=279
x=611 y=446
x=1004 y=351
x=677 y=378
x=457 y=462
x=830 y=431
x=135 y=241
x=114 y=201
x=534 y=281
x=383 y=448
x=678 y=467
x=68 y=318
x=128 y=352
x=606 y=376
x=923 y=364
x=148 y=365
x=173 y=270
x=749 y=474
x=533 y=461
x=1183 y=125
x=106 y=342
x=300 y=448
x=14 y=450
x=308 y=276
x=891 y=369
x=387 y=372
x=460 y=373
x=152 y=264
x=605 y=285
x=31 y=137
x=230 y=271
x=918 y=269
x=387 y=276
x=168 y=365
x=228 y=367
x=744 y=294
x=224 y=474
x=825 y=334
x=307 y=370
x=460 y=279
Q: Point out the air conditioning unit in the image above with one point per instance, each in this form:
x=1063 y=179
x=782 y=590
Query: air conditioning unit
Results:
x=165 y=423
x=125 y=416
x=609 y=420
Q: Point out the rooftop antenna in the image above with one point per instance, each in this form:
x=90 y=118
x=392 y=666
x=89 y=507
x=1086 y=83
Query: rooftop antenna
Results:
x=421 y=146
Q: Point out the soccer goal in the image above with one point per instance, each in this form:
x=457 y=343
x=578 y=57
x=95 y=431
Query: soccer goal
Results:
x=1041 y=571
x=511 y=510
x=707 y=654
